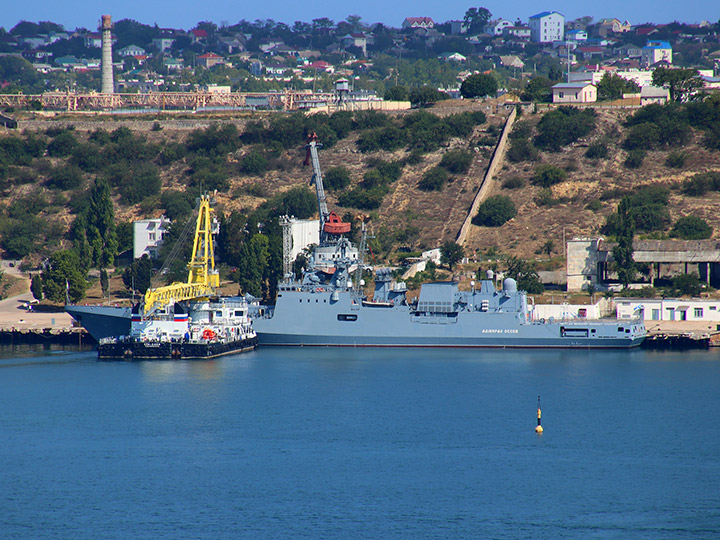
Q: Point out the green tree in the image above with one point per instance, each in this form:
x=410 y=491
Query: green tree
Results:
x=475 y=19
x=62 y=273
x=691 y=228
x=613 y=86
x=254 y=259
x=397 y=93
x=495 y=211
x=681 y=83
x=623 y=251
x=426 y=95
x=434 y=179
x=137 y=276
x=687 y=284
x=104 y=282
x=479 y=85
x=451 y=254
x=538 y=89
x=36 y=287
x=524 y=273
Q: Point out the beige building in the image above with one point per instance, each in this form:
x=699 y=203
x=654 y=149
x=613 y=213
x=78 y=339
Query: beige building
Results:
x=580 y=92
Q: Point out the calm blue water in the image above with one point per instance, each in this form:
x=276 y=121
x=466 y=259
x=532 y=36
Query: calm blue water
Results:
x=342 y=443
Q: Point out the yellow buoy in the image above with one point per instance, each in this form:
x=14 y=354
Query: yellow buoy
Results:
x=539 y=428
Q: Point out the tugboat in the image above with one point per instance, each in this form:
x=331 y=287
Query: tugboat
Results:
x=185 y=330
x=186 y=320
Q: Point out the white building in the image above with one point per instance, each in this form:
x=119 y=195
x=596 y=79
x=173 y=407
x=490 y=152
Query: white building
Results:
x=669 y=309
x=641 y=77
x=131 y=50
x=547 y=27
x=148 y=236
x=495 y=28
x=304 y=233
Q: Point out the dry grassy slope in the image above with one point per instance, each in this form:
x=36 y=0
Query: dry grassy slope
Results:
x=439 y=215
x=587 y=180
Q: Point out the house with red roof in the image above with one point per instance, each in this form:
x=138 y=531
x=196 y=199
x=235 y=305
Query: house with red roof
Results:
x=209 y=60
x=418 y=22
x=198 y=35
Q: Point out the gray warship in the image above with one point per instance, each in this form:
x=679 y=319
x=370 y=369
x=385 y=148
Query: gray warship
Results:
x=327 y=307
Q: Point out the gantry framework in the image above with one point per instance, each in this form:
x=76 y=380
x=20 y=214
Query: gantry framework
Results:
x=69 y=101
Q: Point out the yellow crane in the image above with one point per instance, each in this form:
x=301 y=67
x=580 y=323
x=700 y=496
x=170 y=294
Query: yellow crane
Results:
x=203 y=280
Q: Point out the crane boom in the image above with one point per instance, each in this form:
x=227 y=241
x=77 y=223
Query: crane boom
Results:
x=317 y=179
x=202 y=280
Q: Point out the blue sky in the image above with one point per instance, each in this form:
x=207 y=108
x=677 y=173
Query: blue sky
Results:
x=185 y=13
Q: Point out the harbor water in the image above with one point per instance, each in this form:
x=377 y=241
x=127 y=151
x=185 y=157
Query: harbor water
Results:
x=361 y=443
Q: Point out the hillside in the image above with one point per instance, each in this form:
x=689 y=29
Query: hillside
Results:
x=170 y=153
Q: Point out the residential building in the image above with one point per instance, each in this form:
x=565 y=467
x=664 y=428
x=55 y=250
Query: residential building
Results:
x=656 y=51
x=457 y=27
x=131 y=50
x=209 y=60
x=172 y=63
x=162 y=44
x=148 y=236
x=547 y=27
x=605 y=26
x=640 y=77
x=453 y=57
x=355 y=39
x=418 y=22
x=495 y=28
x=517 y=31
x=512 y=61
x=654 y=94
x=581 y=92
x=576 y=35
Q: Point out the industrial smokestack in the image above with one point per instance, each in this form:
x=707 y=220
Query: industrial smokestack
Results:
x=108 y=85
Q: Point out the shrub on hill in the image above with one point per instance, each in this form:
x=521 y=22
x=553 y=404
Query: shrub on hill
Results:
x=522 y=150
x=648 y=207
x=597 y=150
x=495 y=211
x=547 y=175
x=62 y=145
x=656 y=125
x=691 y=228
x=563 y=126
x=635 y=158
x=434 y=179
x=336 y=178
x=456 y=161
x=701 y=183
x=213 y=141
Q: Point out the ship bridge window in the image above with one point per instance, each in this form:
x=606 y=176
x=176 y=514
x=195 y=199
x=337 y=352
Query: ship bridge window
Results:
x=239 y=313
x=346 y=317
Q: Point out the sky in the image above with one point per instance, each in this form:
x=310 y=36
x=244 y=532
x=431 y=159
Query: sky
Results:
x=186 y=13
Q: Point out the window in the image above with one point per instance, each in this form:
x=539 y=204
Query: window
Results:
x=345 y=317
x=698 y=312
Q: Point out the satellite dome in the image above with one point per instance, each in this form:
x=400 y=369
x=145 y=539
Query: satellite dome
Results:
x=509 y=285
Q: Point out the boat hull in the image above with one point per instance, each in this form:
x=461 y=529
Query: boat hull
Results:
x=165 y=350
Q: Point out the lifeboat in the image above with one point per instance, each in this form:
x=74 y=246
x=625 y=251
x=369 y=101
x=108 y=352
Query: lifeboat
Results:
x=334 y=225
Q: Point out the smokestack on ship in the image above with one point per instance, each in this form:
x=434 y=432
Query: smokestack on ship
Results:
x=108 y=85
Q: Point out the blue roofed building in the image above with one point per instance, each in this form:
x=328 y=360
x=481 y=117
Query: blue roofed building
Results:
x=547 y=27
x=656 y=51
